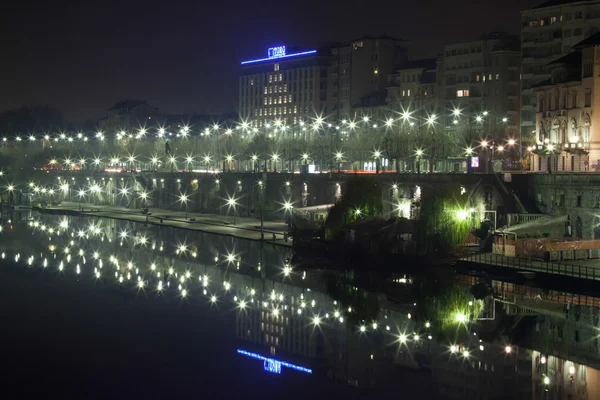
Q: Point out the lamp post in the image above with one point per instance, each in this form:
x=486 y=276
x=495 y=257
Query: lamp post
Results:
x=231 y=203
x=143 y=196
x=419 y=154
x=10 y=189
x=94 y=189
x=183 y=198
x=338 y=158
x=376 y=156
x=81 y=194
x=289 y=207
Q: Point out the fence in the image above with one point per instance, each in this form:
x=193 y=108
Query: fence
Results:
x=576 y=271
x=514 y=219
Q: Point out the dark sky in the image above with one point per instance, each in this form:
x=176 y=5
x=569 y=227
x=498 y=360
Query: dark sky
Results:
x=183 y=57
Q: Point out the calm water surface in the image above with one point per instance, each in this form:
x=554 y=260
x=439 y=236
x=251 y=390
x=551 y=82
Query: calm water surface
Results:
x=96 y=308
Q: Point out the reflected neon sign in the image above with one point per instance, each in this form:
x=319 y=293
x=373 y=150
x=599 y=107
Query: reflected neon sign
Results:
x=272 y=365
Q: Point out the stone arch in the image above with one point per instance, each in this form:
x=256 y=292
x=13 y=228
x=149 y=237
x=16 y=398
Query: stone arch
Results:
x=573 y=130
x=554 y=131
x=563 y=131
x=585 y=129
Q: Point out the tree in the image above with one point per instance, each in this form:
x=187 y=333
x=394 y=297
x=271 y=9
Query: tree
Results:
x=444 y=219
x=362 y=198
x=31 y=119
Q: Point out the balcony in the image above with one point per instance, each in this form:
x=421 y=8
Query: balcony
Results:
x=576 y=148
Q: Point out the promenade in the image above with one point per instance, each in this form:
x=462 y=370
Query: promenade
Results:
x=227 y=225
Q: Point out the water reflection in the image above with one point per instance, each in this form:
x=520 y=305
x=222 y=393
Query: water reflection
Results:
x=452 y=335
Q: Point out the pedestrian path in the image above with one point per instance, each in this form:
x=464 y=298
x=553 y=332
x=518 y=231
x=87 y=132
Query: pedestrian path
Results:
x=240 y=227
x=580 y=270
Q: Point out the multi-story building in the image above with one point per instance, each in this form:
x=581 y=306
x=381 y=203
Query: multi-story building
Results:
x=548 y=32
x=289 y=86
x=294 y=86
x=361 y=68
x=414 y=86
x=480 y=80
x=567 y=128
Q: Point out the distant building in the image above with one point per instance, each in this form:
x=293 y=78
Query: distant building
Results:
x=414 y=86
x=129 y=114
x=285 y=85
x=548 y=32
x=567 y=128
x=296 y=85
x=481 y=78
x=360 y=68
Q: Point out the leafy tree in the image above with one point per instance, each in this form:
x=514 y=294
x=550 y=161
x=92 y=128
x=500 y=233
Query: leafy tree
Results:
x=444 y=219
x=362 y=198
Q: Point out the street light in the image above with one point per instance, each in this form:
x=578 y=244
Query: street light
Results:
x=338 y=157
x=183 y=198
x=144 y=196
x=231 y=203
x=289 y=207
x=81 y=194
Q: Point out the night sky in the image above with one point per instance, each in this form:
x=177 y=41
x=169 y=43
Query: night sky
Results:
x=183 y=57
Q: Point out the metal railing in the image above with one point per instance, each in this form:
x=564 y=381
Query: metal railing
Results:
x=576 y=271
x=514 y=219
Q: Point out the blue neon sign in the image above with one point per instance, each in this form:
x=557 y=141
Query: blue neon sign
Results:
x=278 y=55
x=272 y=365
x=276 y=52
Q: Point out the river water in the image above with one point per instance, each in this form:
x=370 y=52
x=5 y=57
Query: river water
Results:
x=108 y=308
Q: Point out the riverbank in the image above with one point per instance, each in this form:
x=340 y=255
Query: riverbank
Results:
x=226 y=225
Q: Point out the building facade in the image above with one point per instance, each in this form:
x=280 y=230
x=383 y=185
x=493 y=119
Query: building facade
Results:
x=479 y=85
x=298 y=85
x=285 y=86
x=567 y=128
x=549 y=32
x=414 y=86
x=361 y=68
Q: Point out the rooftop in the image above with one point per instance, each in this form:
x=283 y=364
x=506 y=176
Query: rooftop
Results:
x=571 y=59
x=593 y=40
x=127 y=105
x=425 y=63
x=554 y=3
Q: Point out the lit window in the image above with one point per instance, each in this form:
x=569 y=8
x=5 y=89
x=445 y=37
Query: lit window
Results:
x=276 y=66
x=270 y=78
x=403 y=93
x=265 y=101
x=497 y=77
x=490 y=77
x=462 y=93
x=280 y=77
x=266 y=90
x=477 y=78
x=408 y=92
x=484 y=78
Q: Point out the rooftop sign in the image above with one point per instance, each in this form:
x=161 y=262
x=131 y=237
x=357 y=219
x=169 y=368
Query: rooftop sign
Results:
x=278 y=52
